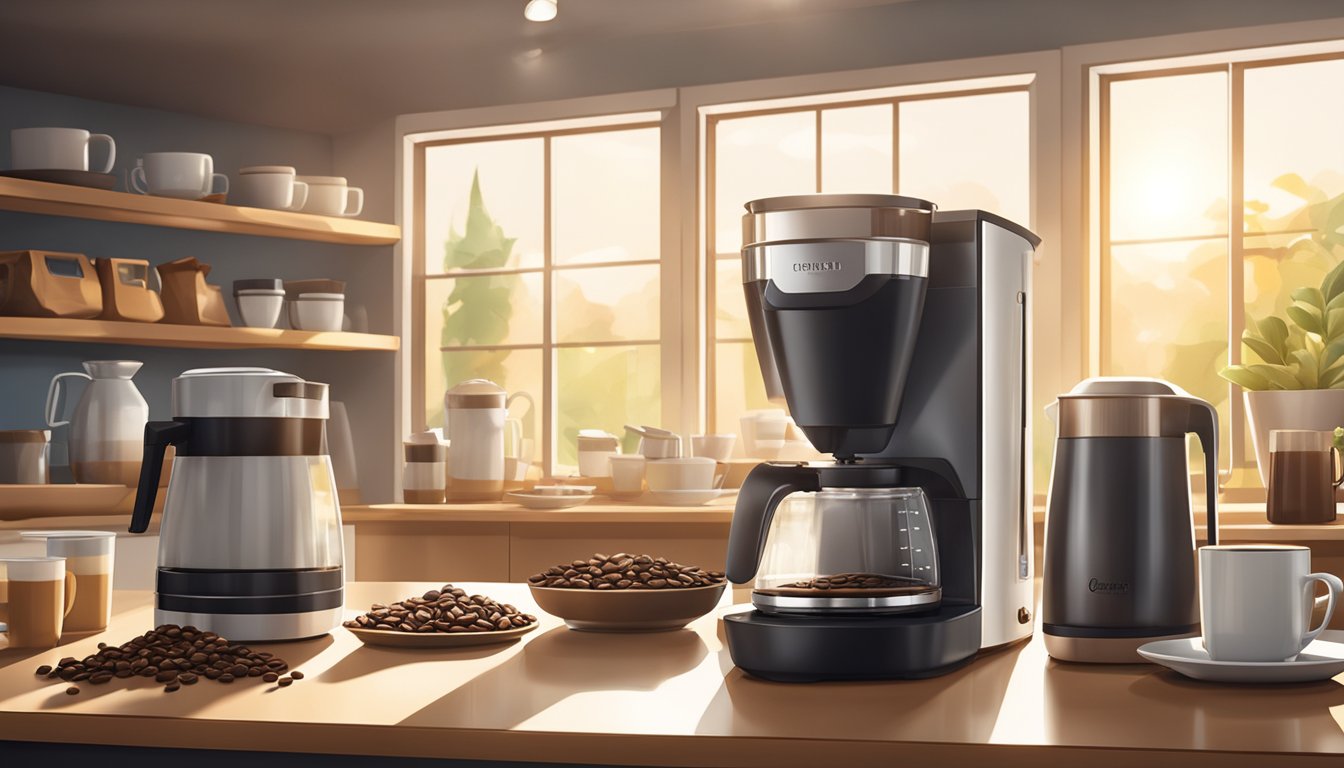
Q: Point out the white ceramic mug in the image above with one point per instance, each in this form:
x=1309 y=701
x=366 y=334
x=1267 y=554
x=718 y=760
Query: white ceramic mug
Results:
x=716 y=447
x=1255 y=601
x=64 y=149
x=24 y=454
x=331 y=196
x=185 y=175
x=627 y=474
x=270 y=186
x=691 y=473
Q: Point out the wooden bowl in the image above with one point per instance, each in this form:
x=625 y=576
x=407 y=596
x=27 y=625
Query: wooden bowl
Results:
x=628 y=610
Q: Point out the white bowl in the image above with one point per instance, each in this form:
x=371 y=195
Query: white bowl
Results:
x=684 y=474
x=259 y=308
x=317 y=312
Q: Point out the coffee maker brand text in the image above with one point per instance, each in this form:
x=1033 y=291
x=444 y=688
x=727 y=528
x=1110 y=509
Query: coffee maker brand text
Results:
x=818 y=266
x=1111 y=587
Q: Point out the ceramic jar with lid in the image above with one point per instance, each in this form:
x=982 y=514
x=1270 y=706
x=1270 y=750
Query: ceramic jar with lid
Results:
x=423 y=480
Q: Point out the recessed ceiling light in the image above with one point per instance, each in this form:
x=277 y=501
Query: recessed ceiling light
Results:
x=541 y=10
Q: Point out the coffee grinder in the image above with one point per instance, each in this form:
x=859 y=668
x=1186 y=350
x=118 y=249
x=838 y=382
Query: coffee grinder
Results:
x=900 y=339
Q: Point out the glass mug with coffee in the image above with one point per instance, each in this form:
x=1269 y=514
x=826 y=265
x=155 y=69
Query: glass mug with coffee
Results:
x=89 y=555
x=1302 y=477
x=36 y=594
x=1256 y=601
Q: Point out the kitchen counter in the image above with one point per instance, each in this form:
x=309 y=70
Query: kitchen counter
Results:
x=671 y=698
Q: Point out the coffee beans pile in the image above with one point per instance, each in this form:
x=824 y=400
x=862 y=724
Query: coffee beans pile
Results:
x=172 y=655
x=853 y=581
x=449 y=609
x=623 y=571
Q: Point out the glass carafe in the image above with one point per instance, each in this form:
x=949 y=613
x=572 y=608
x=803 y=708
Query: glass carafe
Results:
x=850 y=551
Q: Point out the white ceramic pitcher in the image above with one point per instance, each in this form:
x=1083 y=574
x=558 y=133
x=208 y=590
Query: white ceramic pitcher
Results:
x=107 y=429
x=476 y=412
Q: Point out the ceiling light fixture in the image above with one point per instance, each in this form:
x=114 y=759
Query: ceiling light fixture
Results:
x=541 y=10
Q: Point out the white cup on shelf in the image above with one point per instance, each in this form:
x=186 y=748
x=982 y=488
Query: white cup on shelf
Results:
x=65 y=149
x=332 y=196
x=185 y=175
x=270 y=186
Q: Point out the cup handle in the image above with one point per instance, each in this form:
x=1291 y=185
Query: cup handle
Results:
x=219 y=177
x=720 y=475
x=70 y=587
x=138 y=182
x=300 y=196
x=1335 y=587
x=359 y=201
x=1338 y=460
x=54 y=394
x=111 y=150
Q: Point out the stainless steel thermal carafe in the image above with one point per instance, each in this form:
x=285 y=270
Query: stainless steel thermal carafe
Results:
x=1119 y=539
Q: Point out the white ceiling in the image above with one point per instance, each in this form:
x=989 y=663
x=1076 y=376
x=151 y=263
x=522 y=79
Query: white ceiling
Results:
x=333 y=66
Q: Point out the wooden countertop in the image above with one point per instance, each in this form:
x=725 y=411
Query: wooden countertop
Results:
x=600 y=510
x=672 y=698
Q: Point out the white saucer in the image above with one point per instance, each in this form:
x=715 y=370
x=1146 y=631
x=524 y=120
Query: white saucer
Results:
x=1321 y=660
x=549 y=500
x=688 y=498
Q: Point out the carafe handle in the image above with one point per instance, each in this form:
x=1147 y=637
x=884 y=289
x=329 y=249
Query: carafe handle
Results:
x=762 y=491
x=54 y=394
x=1203 y=421
x=158 y=436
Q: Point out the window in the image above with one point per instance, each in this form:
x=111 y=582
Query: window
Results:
x=539 y=268
x=1210 y=179
x=929 y=142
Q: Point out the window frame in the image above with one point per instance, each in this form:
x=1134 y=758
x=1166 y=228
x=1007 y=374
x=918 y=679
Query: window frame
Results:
x=1087 y=70
x=417 y=133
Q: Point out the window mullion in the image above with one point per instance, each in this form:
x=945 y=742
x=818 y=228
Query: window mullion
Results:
x=1236 y=274
x=548 y=318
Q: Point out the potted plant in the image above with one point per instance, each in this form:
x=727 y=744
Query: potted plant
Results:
x=1299 y=381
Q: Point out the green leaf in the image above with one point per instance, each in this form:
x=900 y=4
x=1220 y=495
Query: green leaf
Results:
x=1307 y=373
x=1333 y=353
x=1330 y=378
x=1306 y=317
x=1278 y=376
x=1245 y=378
x=1297 y=187
x=1309 y=295
x=1267 y=352
x=1275 y=331
x=1332 y=285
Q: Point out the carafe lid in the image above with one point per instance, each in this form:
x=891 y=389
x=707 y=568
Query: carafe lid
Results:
x=247 y=393
x=1125 y=386
x=476 y=393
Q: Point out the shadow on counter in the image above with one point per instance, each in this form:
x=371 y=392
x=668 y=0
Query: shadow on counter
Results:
x=560 y=663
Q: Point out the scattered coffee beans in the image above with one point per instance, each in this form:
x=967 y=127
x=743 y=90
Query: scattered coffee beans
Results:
x=623 y=571
x=172 y=655
x=449 y=609
x=71 y=691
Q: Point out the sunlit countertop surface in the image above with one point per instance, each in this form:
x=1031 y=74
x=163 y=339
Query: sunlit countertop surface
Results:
x=670 y=698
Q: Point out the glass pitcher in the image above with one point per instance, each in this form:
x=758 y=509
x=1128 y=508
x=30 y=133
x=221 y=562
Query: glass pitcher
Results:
x=850 y=551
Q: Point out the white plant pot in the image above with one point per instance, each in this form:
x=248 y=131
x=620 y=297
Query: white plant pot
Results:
x=1318 y=409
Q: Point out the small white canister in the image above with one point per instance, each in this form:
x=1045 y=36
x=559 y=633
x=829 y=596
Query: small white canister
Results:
x=423 y=479
x=596 y=448
x=475 y=411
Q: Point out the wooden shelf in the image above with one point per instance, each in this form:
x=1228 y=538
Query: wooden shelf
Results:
x=188 y=336
x=85 y=203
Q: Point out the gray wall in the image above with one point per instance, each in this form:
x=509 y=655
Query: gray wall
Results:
x=362 y=379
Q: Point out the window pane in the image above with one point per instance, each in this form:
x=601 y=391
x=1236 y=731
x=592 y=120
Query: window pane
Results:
x=483 y=311
x=738 y=385
x=497 y=228
x=969 y=152
x=607 y=304
x=604 y=388
x=604 y=196
x=759 y=157
x=1167 y=317
x=856 y=149
x=1168 y=157
x=514 y=369
x=1293 y=118
x=730 y=303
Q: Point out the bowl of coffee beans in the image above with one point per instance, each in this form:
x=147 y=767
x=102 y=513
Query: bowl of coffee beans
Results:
x=441 y=618
x=626 y=593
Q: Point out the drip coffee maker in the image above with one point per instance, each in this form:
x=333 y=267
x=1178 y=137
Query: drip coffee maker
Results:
x=900 y=340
